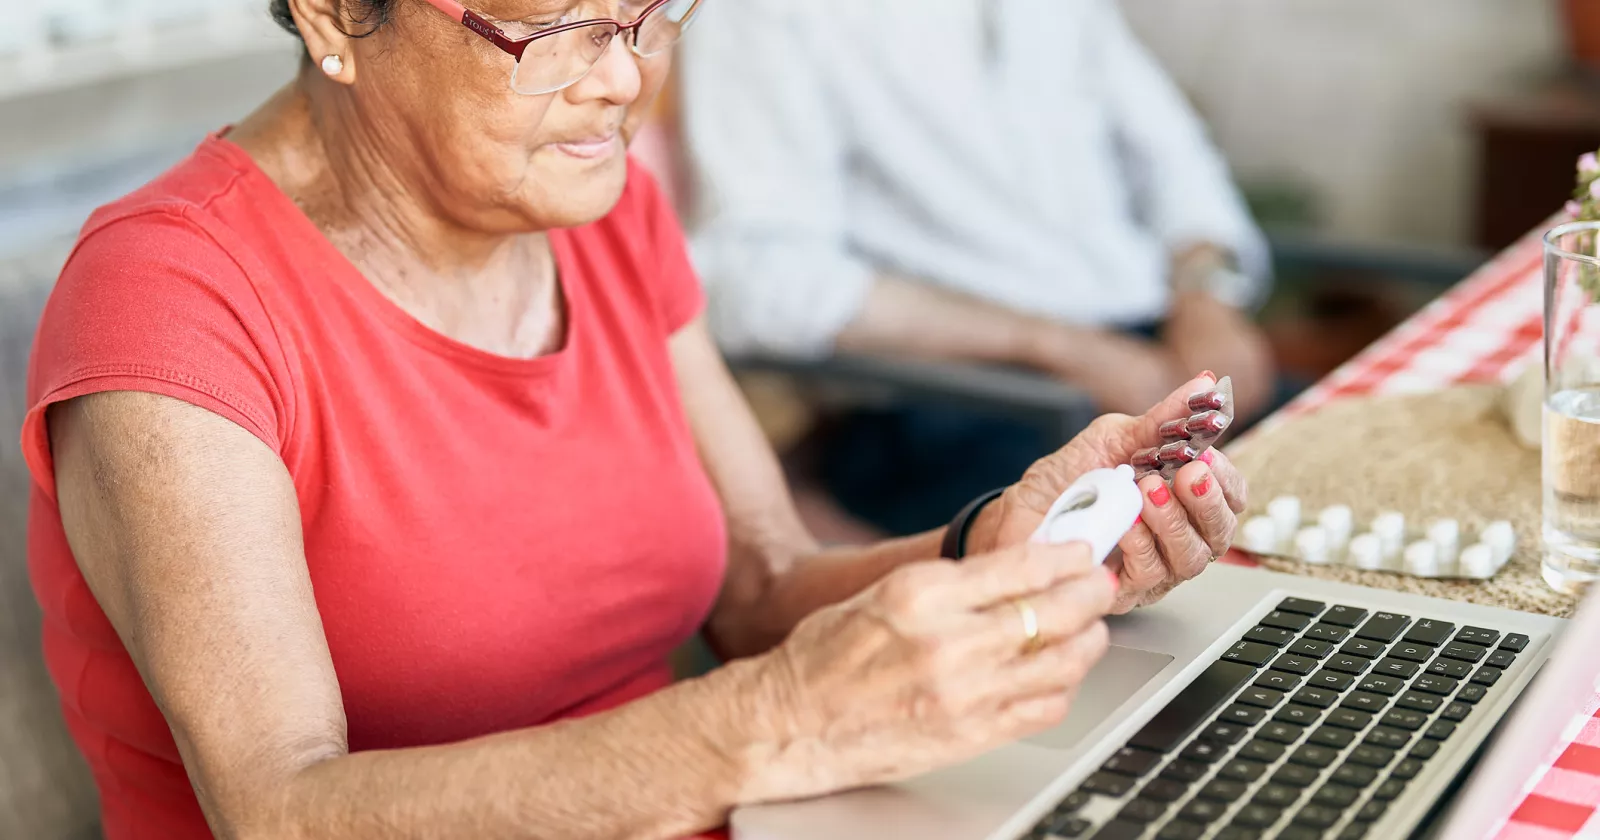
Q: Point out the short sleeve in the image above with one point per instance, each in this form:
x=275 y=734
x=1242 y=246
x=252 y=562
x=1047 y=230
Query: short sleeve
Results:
x=152 y=302
x=675 y=286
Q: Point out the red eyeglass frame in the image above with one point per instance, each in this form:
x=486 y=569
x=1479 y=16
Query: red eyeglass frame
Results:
x=515 y=47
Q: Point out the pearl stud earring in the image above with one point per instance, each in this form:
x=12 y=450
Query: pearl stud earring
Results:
x=333 y=65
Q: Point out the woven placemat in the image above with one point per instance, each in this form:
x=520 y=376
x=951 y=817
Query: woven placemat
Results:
x=1448 y=453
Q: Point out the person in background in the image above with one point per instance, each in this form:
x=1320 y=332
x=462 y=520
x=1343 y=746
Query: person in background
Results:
x=1001 y=181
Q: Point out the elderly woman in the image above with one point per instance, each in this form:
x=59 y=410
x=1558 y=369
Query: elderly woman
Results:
x=382 y=458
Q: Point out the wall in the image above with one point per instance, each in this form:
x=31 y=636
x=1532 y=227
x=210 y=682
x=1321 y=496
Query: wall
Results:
x=1361 y=99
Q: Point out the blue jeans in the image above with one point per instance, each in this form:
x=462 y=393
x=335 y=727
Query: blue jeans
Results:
x=909 y=468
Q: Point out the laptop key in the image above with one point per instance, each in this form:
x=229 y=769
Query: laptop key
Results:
x=1313 y=648
x=1259 y=750
x=1464 y=652
x=1286 y=620
x=1257 y=816
x=1486 y=676
x=1240 y=832
x=1277 y=796
x=1407 y=769
x=1194 y=704
x=1224 y=733
x=1365 y=701
x=1353 y=831
x=1297 y=714
x=1440 y=730
x=1385 y=736
x=1344 y=616
x=1074 y=827
x=1295 y=775
x=1424 y=750
x=1279 y=732
x=1142 y=810
x=1449 y=668
x=1223 y=790
x=1253 y=654
x=1318 y=816
x=1391 y=667
x=1295 y=664
x=1411 y=652
x=1203 y=811
x=1456 y=711
x=1516 y=643
x=1478 y=636
x=1404 y=719
x=1327 y=633
x=1264 y=698
x=1302 y=606
x=1131 y=761
x=1297 y=832
x=1110 y=784
x=1362 y=648
x=1164 y=790
x=1277 y=681
x=1242 y=714
x=1240 y=770
x=1312 y=755
x=1073 y=802
x=1370 y=756
x=1186 y=772
x=1383 y=627
x=1328 y=736
x=1349 y=719
x=1321 y=698
x=1204 y=752
x=1372 y=811
x=1436 y=685
x=1501 y=659
x=1430 y=632
x=1120 y=830
x=1336 y=796
x=1390 y=789
x=1429 y=703
x=1347 y=664
x=1471 y=694
x=1331 y=679
x=1181 y=830
x=1387 y=686
x=1354 y=775
x=1275 y=636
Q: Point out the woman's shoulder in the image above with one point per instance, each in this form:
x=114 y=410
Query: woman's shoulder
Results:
x=183 y=197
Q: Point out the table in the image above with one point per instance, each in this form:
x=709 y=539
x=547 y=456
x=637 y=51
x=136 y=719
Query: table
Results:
x=1486 y=329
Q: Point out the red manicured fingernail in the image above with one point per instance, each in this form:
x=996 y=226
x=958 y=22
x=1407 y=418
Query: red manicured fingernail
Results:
x=1138 y=519
x=1202 y=487
x=1205 y=457
x=1160 y=496
x=1116 y=579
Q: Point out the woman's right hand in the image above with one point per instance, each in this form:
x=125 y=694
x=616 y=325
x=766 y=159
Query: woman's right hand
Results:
x=931 y=666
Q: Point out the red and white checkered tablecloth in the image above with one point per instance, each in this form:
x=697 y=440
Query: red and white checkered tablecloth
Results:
x=1487 y=329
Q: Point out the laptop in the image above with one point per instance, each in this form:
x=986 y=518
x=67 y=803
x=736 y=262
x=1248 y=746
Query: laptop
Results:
x=1249 y=704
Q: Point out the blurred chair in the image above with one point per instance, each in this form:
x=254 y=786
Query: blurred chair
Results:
x=45 y=789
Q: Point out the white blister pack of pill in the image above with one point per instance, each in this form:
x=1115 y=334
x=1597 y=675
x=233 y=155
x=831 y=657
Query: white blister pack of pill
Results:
x=1432 y=549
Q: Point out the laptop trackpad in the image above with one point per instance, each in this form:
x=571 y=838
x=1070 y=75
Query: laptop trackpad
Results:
x=1113 y=680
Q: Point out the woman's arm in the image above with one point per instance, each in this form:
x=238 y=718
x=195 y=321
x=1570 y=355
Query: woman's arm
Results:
x=188 y=533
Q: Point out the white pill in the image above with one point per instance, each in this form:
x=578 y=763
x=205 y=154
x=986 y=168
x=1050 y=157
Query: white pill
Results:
x=1446 y=534
x=1477 y=561
x=1501 y=537
x=1285 y=513
x=1311 y=545
x=1422 y=559
x=1260 y=536
x=1337 y=521
x=1390 y=527
x=1366 y=552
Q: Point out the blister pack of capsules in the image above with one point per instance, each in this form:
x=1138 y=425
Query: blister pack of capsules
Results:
x=1187 y=438
x=1435 y=549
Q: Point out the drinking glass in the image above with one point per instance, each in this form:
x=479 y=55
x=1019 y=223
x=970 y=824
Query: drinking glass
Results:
x=1571 y=443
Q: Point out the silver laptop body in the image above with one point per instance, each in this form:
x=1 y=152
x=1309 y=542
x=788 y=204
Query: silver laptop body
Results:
x=1059 y=784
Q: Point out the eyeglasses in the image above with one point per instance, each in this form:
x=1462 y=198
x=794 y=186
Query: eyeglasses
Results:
x=559 y=54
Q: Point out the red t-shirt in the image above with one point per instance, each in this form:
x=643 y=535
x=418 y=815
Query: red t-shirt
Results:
x=494 y=543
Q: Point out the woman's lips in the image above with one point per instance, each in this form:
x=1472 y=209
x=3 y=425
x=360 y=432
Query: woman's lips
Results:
x=590 y=148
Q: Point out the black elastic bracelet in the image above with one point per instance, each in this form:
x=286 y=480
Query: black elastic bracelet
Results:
x=955 y=535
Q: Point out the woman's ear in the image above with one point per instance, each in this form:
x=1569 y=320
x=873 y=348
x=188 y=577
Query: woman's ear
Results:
x=325 y=32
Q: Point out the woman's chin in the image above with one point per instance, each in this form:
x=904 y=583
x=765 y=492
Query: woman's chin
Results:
x=576 y=201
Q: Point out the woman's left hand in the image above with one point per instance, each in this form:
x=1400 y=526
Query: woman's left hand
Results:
x=1182 y=528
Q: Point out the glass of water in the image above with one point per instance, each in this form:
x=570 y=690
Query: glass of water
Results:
x=1571 y=448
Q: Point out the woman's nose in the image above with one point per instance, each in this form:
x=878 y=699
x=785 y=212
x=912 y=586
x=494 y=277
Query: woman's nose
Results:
x=615 y=77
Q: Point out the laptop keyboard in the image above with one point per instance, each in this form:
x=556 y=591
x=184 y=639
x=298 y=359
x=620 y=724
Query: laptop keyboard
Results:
x=1308 y=727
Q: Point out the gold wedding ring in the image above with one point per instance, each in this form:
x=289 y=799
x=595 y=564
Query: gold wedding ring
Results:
x=1030 y=625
